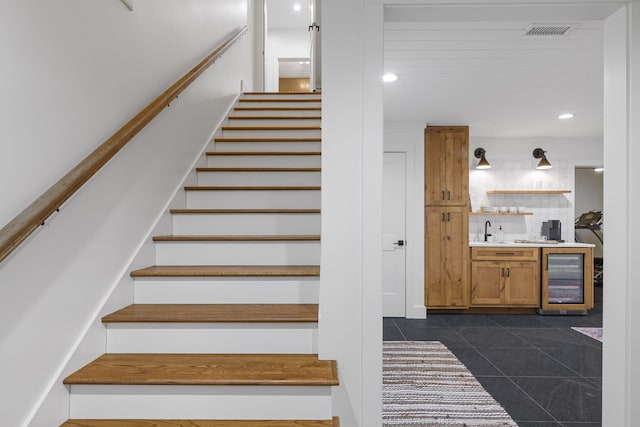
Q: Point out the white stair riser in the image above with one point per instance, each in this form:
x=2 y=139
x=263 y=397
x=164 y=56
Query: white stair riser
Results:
x=238 y=253
x=227 y=290
x=254 y=199
x=280 y=104
x=200 y=402
x=269 y=146
x=217 y=338
x=231 y=224
x=291 y=161
x=264 y=133
x=280 y=113
x=311 y=121
x=259 y=178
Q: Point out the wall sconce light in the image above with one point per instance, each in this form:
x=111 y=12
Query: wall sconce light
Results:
x=482 y=163
x=538 y=153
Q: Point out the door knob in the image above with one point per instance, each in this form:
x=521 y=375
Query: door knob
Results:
x=400 y=243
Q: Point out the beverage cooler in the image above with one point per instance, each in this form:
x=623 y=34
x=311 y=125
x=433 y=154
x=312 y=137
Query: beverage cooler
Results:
x=567 y=280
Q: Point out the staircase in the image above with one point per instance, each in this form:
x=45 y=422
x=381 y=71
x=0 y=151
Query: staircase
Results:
x=223 y=329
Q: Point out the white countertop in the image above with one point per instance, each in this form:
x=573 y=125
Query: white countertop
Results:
x=531 y=244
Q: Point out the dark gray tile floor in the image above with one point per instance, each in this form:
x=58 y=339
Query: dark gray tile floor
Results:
x=540 y=370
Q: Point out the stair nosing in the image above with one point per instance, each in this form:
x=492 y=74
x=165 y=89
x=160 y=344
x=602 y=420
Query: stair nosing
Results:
x=234 y=238
x=295 y=92
x=244 y=211
x=202 y=369
x=281 y=100
x=274 y=118
x=264 y=153
x=268 y=128
x=122 y=422
x=250 y=188
x=256 y=169
x=278 y=108
x=228 y=271
x=214 y=313
x=247 y=139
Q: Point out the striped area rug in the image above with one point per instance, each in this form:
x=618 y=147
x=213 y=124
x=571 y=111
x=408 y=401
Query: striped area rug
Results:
x=424 y=384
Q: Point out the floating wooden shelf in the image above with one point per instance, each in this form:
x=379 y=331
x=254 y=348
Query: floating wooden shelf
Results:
x=528 y=191
x=500 y=213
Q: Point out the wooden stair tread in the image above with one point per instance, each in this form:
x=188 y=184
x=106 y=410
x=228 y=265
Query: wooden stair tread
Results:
x=245 y=211
x=250 y=188
x=284 y=93
x=244 y=139
x=205 y=313
x=277 y=108
x=258 y=169
x=207 y=369
x=227 y=128
x=275 y=117
x=263 y=153
x=201 y=423
x=227 y=271
x=244 y=238
x=281 y=100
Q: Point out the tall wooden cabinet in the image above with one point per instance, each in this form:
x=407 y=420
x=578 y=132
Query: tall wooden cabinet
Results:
x=446 y=216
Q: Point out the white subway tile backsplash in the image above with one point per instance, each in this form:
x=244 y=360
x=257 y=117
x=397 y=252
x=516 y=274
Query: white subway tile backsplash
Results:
x=519 y=175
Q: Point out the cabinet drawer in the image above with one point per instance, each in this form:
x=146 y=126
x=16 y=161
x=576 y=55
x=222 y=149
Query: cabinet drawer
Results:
x=502 y=253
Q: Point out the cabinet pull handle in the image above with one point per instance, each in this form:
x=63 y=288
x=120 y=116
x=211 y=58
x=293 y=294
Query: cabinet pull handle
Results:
x=448 y=195
x=508 y=272
x=449 y=216
x=502 y=272
x=442 y=216
x=442 y=194
x=505 y=253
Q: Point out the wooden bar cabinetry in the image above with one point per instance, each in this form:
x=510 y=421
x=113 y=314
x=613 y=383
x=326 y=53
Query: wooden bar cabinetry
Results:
x=447 y=217
x=505 y=277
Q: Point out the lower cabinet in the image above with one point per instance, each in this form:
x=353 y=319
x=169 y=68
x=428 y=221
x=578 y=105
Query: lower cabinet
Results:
x=505 y=277
x=447 y=257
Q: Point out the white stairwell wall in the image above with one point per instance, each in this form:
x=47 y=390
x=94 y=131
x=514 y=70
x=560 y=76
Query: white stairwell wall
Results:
x=75 y=80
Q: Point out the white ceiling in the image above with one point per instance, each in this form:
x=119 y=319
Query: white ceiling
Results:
x=471 y=66
x=281 y=15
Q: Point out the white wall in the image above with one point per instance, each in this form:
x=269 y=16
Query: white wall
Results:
x=78 y=71
x=621 y=321
x=350 y=327
x=589 y=190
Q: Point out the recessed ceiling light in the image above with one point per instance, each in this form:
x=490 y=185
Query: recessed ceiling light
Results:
x=389 y=77
x=598 y=169
x=297 y=7
x=565 y=116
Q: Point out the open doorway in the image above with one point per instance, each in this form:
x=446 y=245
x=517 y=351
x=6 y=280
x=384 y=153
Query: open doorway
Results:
x=289 y=53
x=589 y=212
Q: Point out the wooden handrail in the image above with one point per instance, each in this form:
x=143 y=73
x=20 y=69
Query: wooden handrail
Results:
x=16 y=231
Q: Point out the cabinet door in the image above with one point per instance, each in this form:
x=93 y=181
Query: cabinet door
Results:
x=456 y=160
x=446 y=163
x=434 y=166
x=456 y=255
x=522 y=284
x=435 y=291
x=486 y=283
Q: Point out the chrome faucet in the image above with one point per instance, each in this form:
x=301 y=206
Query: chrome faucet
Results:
x=486 y=224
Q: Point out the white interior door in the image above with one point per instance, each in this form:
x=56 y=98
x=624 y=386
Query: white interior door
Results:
x=393 y=235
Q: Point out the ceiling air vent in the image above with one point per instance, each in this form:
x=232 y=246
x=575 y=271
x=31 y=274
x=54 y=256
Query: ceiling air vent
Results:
x=547 y=30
